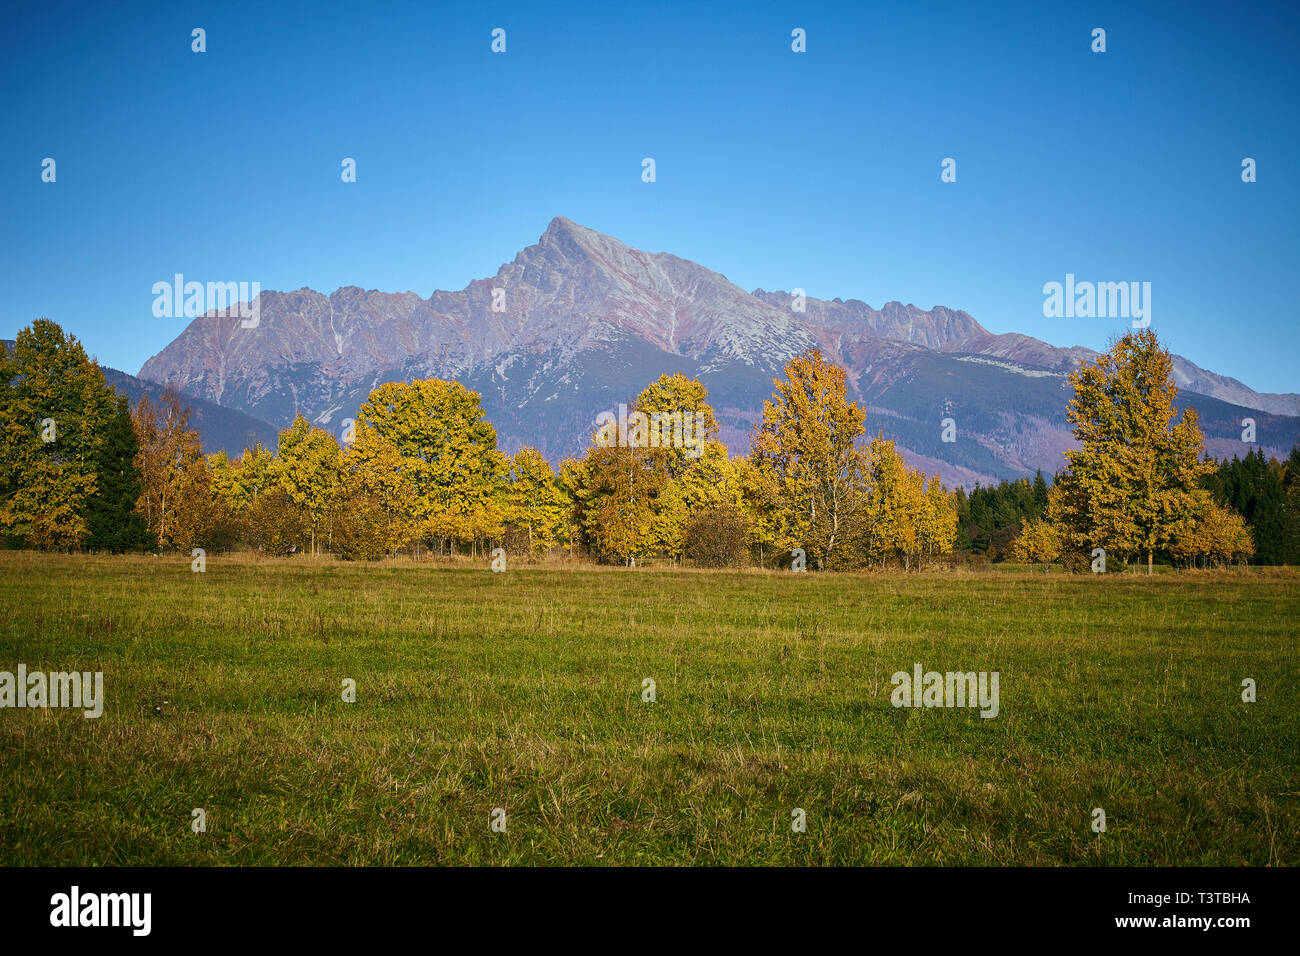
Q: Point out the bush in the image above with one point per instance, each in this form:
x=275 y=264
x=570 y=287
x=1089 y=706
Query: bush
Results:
x=360 y=528
x=1076 y=561
x=276 y=524
x=717 y=537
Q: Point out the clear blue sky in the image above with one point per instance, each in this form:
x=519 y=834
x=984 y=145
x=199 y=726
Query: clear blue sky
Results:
x=818 y=170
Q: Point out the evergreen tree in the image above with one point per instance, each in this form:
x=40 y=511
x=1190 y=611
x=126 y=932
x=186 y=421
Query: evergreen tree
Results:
x=1040 y=494
x=113 y=524
x=1255 y=489
x=1291 y=508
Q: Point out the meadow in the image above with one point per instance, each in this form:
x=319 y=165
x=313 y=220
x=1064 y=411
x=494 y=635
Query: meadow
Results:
x=524 y=691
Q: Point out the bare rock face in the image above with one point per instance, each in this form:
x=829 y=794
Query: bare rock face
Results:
x=580 y=322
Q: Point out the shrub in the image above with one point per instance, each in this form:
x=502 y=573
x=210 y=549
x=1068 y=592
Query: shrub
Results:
x=717 y=537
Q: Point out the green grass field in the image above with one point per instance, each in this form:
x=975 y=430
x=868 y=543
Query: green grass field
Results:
x=523 y=691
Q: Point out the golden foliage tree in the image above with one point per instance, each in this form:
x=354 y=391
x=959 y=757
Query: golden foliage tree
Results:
x=937 y=527
x=807 y=445
x=376 y=502
x=624 y=485
x=177 y=499
x=55 y=409
x=307 y=468
x=760 y=504
x=1039 y=542
x=700 y=476
x=448 y=452
x=893 y=506
x=1138 y=469
x=574 y=484
x=536 y=504
x=1216 y=534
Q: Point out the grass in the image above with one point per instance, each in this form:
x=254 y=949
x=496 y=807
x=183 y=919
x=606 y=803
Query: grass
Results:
x=523 y=691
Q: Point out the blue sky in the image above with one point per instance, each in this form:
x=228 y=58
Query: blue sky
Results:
x=818 y=170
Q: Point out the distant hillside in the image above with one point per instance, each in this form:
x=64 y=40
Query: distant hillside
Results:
x=220 y=429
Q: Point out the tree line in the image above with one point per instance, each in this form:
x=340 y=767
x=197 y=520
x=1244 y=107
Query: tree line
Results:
x=1264 y=491
x=419 y=472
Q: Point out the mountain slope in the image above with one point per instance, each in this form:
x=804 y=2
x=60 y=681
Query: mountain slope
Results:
x=220 y=429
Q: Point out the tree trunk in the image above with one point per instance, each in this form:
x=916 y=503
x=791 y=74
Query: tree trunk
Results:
x=1148 y=562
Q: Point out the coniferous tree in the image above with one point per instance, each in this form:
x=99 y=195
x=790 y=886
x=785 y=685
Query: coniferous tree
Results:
x=1291 y=507
x=1256 y=489
x=113 y=524
x=1040 y=494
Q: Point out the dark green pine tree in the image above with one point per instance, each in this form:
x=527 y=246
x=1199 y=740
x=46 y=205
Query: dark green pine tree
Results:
x=1255 y=488
x=1270 y=502
x=111 y=519
x=1291 y=507
x=1040 y=494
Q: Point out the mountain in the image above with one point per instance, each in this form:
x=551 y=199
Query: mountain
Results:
x=585 y=322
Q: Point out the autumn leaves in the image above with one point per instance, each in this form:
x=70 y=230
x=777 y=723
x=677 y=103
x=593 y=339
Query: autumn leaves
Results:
x=844 y=505
x=1136 y=485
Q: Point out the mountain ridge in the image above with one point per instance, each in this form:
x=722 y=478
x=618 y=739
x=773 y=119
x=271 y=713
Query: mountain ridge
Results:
x=579 y=321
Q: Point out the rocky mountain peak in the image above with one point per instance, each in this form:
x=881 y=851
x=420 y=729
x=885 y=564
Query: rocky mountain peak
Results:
x=587 y=321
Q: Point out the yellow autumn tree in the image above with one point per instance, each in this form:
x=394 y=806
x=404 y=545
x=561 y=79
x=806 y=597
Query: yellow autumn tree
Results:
x=1039 y=542
x=806 y=444
x=1214 y=534
x=574 y=485
x=937 y=526
x=177 y=499
x=376 y=501
x=681 y=423
x=759 y=500
x=307 y=469
x=893 y=506
x=536 y=505
x=239 y=483
x=1229 y=537
x=448 y=452
x=1139 y=466
x=624 y=485
x=55 y=411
